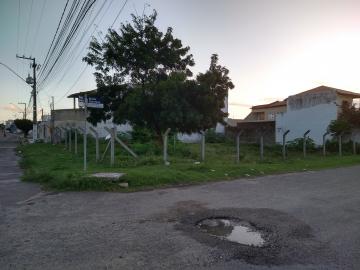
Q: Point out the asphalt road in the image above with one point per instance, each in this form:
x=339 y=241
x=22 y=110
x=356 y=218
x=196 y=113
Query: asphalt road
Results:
x=313 y=221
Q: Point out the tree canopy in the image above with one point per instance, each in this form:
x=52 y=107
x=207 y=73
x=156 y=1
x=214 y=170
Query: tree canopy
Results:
x=143 y=77
x=25 y=125
x=348 y=120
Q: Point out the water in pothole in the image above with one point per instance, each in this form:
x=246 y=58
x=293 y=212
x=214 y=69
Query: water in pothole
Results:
x=233 y=230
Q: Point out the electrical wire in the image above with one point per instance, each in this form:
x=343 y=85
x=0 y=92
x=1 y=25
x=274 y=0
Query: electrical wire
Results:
x=117 y=16
x=18 y=28
x=28 y=25
x=74 y=84
x=57 y=29
x=69 y=38
x=38 y=26
x=69 y=62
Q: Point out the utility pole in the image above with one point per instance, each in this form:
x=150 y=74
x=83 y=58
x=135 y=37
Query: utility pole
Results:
x=32 y=81
x=23 y=103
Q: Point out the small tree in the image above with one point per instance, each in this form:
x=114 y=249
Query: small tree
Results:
x=25 y=125
x=339 y=127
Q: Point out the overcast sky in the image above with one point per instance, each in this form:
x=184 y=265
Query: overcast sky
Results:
x=273 y=48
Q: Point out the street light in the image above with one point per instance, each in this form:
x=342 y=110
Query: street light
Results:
x=23 y=103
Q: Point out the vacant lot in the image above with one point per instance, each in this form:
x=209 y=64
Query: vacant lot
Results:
x=58 y=168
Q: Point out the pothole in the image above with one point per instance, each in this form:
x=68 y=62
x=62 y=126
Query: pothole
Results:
x=233 y=230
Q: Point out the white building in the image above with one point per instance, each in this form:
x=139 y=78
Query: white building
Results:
x=311 y=110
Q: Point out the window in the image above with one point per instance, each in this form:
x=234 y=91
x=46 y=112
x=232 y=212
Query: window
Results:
x=271 y=116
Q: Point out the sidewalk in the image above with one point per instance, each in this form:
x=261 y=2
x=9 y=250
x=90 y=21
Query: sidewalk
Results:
x=12 y=190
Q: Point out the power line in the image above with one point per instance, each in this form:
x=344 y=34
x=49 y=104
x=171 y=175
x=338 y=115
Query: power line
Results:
x=83 y=71
x=28 y=25
x=13 y=71
x=18 y=28
x=64 y=63
x=70 y=59
x=38 y=26
x=74 y=84
x=68 y=40
x=57 y=29
x=117 y=16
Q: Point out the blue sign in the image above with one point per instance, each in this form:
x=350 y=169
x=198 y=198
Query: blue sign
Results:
x=91 y=102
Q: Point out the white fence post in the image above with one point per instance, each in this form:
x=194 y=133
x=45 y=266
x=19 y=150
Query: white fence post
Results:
x=66 y=137
x=202 y=145
x=238 y=146
x=324 y=143
x=165 y=146
x=340 y=144
x=70 y=141
x=261 y=147
x=304 y=142
x=76 y=141
x=284 y=144
x=96 y=136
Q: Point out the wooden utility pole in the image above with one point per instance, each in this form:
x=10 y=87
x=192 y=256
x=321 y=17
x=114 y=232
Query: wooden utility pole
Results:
x=32 y=81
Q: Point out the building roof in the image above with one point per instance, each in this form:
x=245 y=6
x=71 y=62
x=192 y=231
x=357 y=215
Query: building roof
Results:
x=270 y=105
x=323 y=88
x=315 y=90
x=76 y=95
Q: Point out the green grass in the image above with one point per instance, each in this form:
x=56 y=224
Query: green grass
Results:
x=57 y=168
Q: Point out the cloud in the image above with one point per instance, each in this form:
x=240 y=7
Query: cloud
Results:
x=239 y=104
x=271 y=99
x=11 y=108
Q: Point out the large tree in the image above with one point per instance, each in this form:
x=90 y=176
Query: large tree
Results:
x=144 y=78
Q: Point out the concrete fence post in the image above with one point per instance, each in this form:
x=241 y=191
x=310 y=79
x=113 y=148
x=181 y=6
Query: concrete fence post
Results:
x=114 y=138
x=96 y=136
x=111 y=143
x=70 y=141
x=324 y=143
x=165 y=146
x=112 y=146
x=284 y=144
x=238 y=146
x=58 y=135
x=262 y=147
x=340 y=144
x=304 y=142
x=202 y=145
x=75 y=141
x=65 y=139
x=354 y=147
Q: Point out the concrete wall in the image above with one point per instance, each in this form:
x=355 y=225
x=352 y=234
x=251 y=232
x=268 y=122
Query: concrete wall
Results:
x=316 y=118
x=252 y=131
x=75 y=118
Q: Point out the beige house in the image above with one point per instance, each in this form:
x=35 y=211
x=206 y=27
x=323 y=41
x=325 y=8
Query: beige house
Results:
x=267 y=112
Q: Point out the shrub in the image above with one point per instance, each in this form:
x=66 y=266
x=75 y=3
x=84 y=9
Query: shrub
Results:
x=213 y=137
x=297 y=144
x=142 y=135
